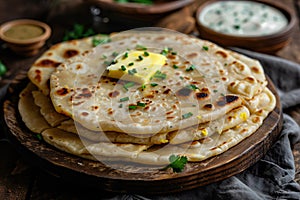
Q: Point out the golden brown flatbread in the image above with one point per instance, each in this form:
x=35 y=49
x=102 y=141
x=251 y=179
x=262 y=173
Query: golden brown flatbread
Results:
x=208 y=100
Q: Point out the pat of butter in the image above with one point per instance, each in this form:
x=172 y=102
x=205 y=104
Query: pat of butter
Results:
x=136 y=66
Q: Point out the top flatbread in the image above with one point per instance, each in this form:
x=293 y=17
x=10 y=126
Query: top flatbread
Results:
x=80 y=89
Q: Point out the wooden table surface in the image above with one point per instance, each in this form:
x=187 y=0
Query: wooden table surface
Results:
x=19 y=179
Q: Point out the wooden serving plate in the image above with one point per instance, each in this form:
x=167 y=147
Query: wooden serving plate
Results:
x=138 y=179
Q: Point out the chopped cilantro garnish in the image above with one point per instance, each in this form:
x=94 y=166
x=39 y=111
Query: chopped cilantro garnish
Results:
x=3 y=69
x=140 y=58
x=192 y=87
x=177 y=162
x=215 y=91
x=146 y=53
x=124 y=99
x=125 y=55
x=205 y=48
x=132 y=107
x=165 y=51
x=160 y=75
x=39 y=137
x=236 y=27
x=131 y=64
x=121 y=106
x=77 y=32
x=141 y=104
x=187 y=115
x=140 y=47
x=128 y=85
x=190 y=68
x=108 y=62
x=181 y=77
x=174 y=53
x=123 y=68
x=115 y=54
x=143 y=86
x=103 y=56
x=132 y=71
x=175 y=66
x=96 y=42
x=153 y=84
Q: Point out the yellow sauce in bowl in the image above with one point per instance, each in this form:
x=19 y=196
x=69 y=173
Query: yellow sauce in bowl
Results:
x=24 y=32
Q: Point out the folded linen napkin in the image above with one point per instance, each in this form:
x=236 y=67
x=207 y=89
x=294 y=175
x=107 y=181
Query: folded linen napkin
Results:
x=273 y=176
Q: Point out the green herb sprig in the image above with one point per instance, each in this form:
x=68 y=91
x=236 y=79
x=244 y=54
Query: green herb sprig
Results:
x=177 y=163
x=159 y=75
x=96 y=41
x=3 y=69
x=78 y=31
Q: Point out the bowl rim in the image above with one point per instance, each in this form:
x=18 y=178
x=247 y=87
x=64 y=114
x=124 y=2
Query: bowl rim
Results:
x=141 y=9
x=4 y=27
x=285 y=10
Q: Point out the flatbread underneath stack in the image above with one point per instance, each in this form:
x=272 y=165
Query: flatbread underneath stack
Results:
x=227 y=117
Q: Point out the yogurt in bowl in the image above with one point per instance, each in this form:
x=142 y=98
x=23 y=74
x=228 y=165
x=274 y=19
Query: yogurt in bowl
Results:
x=259 y=25
x=243 y=18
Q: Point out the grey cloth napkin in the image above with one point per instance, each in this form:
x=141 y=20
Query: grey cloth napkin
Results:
x=273 y=176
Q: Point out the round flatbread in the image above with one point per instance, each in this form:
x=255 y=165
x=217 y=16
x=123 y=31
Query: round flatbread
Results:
x=201 y=101
x=207 y=84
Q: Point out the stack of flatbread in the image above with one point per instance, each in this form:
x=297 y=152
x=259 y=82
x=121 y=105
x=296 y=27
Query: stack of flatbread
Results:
x=202 y=101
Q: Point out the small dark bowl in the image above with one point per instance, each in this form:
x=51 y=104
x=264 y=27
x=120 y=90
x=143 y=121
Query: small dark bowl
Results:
x=137 y=13
x=266 y=44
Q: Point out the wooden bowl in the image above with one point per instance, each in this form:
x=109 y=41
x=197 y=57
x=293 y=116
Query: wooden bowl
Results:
x=25 y=46
x=136 y=12
x=266 y=44
x=158 y=6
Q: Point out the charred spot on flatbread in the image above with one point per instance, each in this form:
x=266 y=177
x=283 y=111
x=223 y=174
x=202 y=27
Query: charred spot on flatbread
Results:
x=184 y=92
x=63 y=91
x=70 y=53
x=47 y=63
x=228 y=99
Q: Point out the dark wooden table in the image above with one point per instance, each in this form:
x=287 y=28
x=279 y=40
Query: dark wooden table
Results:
x=21 y=179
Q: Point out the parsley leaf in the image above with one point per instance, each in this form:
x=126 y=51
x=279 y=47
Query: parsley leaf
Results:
x=3 y=69
x=205 y=48
x=187 y=115
x=96 y=42
x=177 y=162
x=159 y=75
x=39 y=137
x=128 y=85
x=78 y=31
x=190 y=68
x=192 y=87
x=140 y=47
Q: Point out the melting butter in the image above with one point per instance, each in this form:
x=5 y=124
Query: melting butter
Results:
x=136 y=66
